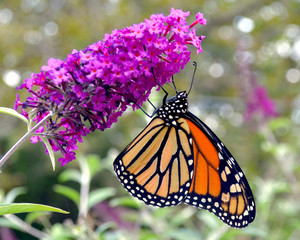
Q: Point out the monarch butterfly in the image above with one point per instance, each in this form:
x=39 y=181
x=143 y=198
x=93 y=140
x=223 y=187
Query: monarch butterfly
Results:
x=177 y=158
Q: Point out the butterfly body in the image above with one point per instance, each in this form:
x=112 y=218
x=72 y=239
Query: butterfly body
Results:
x=177 y=158
x=174 y=108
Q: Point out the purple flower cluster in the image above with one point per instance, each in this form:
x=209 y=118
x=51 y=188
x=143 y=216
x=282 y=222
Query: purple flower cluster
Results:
x=259 y=103
x=93 y=87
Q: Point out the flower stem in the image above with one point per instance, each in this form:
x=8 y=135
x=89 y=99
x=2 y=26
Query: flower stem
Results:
x=23 y=139
x=25 y=226
x=84 y=190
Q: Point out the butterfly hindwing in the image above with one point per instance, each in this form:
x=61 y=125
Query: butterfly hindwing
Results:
x=157 y=166
x=218 y=184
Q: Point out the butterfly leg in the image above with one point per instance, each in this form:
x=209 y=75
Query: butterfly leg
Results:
x=166 y=93
x=144 y=111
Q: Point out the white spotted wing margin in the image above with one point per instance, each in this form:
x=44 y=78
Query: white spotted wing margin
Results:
x=235 y=204
x=157 y=166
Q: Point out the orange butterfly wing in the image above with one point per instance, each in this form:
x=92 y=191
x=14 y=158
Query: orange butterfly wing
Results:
x=218 y=183
x=156 y=167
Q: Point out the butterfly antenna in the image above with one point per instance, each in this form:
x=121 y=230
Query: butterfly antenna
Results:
x=175 y=88
x=195 y=68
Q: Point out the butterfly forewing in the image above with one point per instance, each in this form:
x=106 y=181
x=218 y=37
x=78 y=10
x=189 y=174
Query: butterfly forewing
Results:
x=218 y=184
x=155 y=167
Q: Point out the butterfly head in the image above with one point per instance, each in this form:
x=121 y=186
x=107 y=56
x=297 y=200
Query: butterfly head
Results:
x=174 y=107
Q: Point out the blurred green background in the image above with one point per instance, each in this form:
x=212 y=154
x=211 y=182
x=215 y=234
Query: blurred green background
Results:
x=248 y=43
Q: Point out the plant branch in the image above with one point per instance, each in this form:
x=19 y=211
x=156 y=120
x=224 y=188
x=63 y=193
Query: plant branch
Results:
x=25 y=227
x=85 y=188
x=23 y=139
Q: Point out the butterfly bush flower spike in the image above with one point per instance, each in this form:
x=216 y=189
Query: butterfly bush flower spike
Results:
x=260 y=105
x=91 y=88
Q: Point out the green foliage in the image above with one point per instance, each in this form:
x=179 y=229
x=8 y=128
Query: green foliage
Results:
x=13 y=208
x=99 y=195
x=68 y=192
x=14 y=113
x=50 y=151
x=13 y=193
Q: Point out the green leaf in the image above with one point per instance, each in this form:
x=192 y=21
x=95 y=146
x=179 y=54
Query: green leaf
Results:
x=12 y=194
x=280 y=122
x=100 y=195
x=31 y=115
x=14 y=208
x=105 y=226
x=210 y=220
x=129 y=202
x=182 y=216
x=94 y=164
x=68 y=192
x=63 y=232
x=14 y=113
x=70 y=175
x=33 y=216
x=50 y=151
